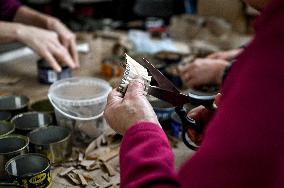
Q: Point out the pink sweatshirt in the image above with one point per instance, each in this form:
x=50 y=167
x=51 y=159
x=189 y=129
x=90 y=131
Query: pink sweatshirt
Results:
x=243 y=144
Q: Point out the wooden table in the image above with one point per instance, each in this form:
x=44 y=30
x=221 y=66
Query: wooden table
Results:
x=25 y=71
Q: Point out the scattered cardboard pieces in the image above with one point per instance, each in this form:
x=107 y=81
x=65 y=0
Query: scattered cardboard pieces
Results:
x=97 y=157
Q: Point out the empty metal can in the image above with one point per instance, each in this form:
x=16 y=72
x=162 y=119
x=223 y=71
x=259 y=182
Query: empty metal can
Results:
x=53 y=142
x=11 y=146
x=5 y=116
x=30 y=170
x=6 y=128
x=26 y=122
x=44 y=106
x=47 y=75
x=14 y=104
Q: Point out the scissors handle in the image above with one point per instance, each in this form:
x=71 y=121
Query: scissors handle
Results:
x=188 y=122
x=197 y=100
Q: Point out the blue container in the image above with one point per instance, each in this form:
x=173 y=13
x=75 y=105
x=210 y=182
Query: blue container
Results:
x=163 y=111
x=176 y=125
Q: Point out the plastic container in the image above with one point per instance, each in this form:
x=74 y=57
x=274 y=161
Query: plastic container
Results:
x=79 y=103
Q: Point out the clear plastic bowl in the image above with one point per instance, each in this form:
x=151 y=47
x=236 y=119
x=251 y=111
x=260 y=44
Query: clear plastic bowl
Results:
x=79 y=103
x=79 y=98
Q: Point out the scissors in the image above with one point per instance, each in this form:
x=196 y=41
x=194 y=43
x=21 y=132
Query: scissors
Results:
x=167 y=91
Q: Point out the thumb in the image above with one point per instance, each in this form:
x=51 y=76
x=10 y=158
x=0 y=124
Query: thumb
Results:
x=135 y=88
x=217 y=99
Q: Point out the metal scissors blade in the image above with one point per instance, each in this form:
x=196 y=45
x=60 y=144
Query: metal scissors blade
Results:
x=176 y=99
x=162 y=81
x=179 y=99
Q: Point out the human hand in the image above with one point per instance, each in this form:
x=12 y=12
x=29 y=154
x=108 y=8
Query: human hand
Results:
x=67 y=38
x=225 y=55
x=47 y=45
x=122 y=113
x=203 y=72
x=202 y=116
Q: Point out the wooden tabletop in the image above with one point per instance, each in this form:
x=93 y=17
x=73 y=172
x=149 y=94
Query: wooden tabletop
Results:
x=20 y=77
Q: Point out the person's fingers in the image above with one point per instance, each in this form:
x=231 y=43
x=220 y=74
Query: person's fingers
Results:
x=194 y=137
x=185 y=76
x=192 y=82
x=214 y=56
x=135 y=88
x=114 y=97
x=184 y=68
x=195 y=113
x=63 y=56
x=52 y=61
x=73 y=51
x=200 y=114
x=217 y=99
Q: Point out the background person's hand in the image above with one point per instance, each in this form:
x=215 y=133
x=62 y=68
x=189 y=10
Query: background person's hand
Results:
x=47 y=45
x=122 y=113
x=203 y=72
x=67 y=38
x=202 y=116
x=226 y=55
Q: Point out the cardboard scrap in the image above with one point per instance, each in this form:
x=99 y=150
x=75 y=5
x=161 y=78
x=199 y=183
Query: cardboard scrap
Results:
x=73 y=178
x=66 y=171
x=108 y=185
x=82 y=179
x=106 y=177
x=87 y=163
x=110 y=155
x=87 y=176
x=80 y=157
x=108 y=168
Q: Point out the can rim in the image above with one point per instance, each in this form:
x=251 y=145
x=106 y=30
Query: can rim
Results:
x=25 y=138
x=49 y=127
x=20 y=107
x=28 y=113
x=8 y=124
x=28 y=154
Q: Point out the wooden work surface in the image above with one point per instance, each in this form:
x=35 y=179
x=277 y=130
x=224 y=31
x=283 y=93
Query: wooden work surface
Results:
x=20 y=77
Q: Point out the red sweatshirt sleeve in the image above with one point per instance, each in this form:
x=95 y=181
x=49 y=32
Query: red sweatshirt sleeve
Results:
x=8 y=9
x=243 y=146
x=146 y=159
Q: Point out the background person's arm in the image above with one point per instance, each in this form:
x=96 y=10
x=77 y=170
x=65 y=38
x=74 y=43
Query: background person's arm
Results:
x=67 y=38
x=8 y=32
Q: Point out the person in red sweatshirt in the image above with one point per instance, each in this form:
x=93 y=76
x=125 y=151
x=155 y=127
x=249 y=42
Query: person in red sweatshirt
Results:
x=243 y=144
x=46 y=35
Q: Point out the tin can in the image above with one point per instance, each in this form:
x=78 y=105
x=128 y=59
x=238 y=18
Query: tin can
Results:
x=11 y=146
x=9 y=185
x=30 y=170
x=44 y=106
x=26 y=122
x=53 y=142
x=14 y=104
x=163 y=111
x=47 y=75
x=6 y=128
x=5 y=116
